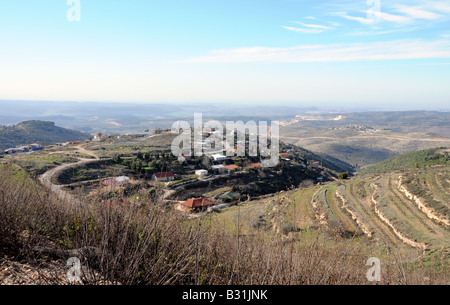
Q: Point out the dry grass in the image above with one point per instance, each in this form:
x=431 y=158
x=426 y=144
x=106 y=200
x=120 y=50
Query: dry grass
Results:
x=150 y=245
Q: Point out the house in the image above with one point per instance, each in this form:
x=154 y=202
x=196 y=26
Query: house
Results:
x=164 y=177
x=119 y=181
x=195 y=204
x=21 y=149
x=218 y=168
x=315 y=164
x=201 y=172
x=255 y=165
x=187 y=158
x=219 y=157
x=35 y=147
x=231 y=168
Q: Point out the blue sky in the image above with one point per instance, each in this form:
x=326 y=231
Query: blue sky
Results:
x=291 y=52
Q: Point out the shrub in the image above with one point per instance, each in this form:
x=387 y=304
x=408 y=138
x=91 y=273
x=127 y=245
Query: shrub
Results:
x=343 y=176
x=288 y=227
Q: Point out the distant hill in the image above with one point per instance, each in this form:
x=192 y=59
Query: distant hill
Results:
x=37 y=132
x=327 y=161
x=417 y=159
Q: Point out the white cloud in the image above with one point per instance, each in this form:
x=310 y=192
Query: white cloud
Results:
x=418 y=13
x=442 y=7
x=393 y=50
x=382 y=16
x=314 y=26
x=353 y=18
x=310 y=31
x=392 y=18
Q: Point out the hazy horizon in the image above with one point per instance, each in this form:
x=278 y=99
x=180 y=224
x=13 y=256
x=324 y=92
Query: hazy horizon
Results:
x=331 y=54
x=318 y=106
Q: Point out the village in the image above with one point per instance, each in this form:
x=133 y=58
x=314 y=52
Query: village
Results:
x=193 y=185
x=211 y=183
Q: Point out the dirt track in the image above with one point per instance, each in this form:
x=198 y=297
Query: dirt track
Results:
x=83 y=150
x=46 y=179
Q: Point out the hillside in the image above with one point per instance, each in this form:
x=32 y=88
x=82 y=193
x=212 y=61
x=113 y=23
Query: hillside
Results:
x=320 y=235
x=400 y=214
x=363 y=139
x=418 y=159
x=37 y=131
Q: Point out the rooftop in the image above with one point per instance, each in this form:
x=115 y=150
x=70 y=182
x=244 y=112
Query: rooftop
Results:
x=164 y=175
x=195 y=203
x=233 y=166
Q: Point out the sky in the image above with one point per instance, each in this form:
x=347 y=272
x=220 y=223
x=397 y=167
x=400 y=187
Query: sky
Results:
x=388 y=54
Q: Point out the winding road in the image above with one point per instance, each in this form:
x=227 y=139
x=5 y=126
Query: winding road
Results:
x=46 y=178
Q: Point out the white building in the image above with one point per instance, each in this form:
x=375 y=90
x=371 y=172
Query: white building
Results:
x=201 y=172
x=219 y=157
x=164 y=177
x=218 y=168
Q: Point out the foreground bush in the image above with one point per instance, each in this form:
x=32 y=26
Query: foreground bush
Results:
x=152 y=245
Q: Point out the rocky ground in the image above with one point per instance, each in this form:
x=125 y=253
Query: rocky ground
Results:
x=22 y=273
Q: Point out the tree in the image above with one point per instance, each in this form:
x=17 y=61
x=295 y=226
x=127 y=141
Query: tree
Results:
x=117 y=158
x=343 y=176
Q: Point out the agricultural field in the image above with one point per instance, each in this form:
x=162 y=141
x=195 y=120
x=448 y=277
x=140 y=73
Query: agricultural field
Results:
x=128 y=146
x=38 y=164
x=362 y=139
x=402 y=216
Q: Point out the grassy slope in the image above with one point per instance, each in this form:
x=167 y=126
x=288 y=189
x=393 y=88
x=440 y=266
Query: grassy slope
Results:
x=419 y=159
x=318 y=213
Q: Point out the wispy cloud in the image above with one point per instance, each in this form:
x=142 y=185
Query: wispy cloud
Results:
x=314 y=26
x=302 y=30
x=308 y=28
x=378 y=16
x=392 y=50
x=418 y=13
x=441 y=7
x=354 y=18
x=392 y=18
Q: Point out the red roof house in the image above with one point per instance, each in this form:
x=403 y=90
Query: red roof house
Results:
x=315 y=164
x=198 y=203
x=255 y=165
x=163 y=177
x=231 y=167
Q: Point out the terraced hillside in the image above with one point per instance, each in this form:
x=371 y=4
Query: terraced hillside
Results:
x=402 y=213
x=405 y=211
